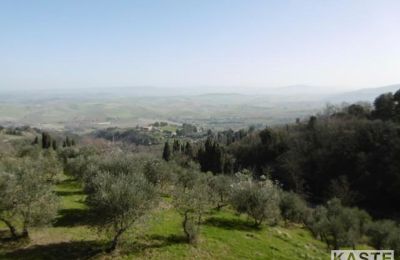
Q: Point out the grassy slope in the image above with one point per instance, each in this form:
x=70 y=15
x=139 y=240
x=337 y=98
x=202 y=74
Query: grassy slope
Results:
x=223 y=236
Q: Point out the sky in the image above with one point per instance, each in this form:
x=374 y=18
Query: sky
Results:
x=199 y=43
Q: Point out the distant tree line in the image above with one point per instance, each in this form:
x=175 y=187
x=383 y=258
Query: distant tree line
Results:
x=134 y=136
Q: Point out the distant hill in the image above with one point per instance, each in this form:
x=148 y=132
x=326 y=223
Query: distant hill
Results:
x=75 y=110
x=366 y=94
x=304 y=90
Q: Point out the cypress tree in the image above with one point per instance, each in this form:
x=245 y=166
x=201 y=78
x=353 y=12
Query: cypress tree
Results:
x=176 y=146
x=54 y=144
x=189 y=150
x=67 y=142
x=211 y=157
x=167 y=152
x=217 y=160
x=46 y=140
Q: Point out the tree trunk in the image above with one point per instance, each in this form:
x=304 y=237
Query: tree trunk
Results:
x=25 y=233
x=335 y=244
x=12 y=229
x=190 y=233
x=257 y=222
x=114 y=242
x=220 y=203
x=184 y=223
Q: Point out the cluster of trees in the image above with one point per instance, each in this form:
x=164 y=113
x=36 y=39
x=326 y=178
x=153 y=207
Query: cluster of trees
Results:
x=17 y=130
x=160 y=124
x=211 y=157
x=48 y=141
x=187 y=130
x=387 y=107
x=68 y=142
x=340 y=226
x=133 y=136
x=124 y=188
x=350 y=152
x=177 y=149
x=13 y=131
x=229 y=136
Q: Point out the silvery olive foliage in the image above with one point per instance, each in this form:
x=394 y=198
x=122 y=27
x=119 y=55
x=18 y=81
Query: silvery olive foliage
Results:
x=192 y=199
x=159 y=173
x=27 y=195
x=119 y=200
x=221 y=186
x=293 y=207
x=337 y=225
x=258 y=199
x=384 y=234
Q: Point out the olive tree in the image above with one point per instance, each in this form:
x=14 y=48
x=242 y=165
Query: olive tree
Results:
x=185 y=177
x=363 y=219
x=27 y=196
x=394 y=241
x=115 y=163
x=221 y=186
x=381 y=232
x=158 y=173
x=119 y=200
x=77 y=167
x=44 y=161
x=37 y=204
x=293 y=207
x=48 y=164
x=8 y=197
x=258 y=199
x=192 y=200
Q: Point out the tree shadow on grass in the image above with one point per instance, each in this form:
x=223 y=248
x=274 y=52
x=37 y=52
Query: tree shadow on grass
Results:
x=7 y=242
x=169 y=240
x=73 y=217
x=68 y=182
x=4 y=234
x=70 y=193
x=231 y=224
x=155 y=241
x=64 y=250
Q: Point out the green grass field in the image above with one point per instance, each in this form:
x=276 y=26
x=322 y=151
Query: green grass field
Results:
x=223 y=236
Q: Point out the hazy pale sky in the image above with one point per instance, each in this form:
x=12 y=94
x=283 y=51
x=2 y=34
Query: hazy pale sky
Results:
x=193 y=43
